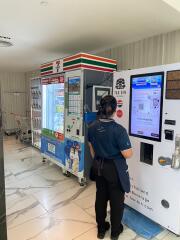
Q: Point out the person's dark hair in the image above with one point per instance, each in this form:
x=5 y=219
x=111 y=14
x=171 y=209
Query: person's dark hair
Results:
x=108 y=105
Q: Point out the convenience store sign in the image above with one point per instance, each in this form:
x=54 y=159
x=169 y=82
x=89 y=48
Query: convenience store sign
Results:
x=52 y=80
x=52 y=67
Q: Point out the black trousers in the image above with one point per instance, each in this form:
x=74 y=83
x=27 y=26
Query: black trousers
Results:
x=108 y=187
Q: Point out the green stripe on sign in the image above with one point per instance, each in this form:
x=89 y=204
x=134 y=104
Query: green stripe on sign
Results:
x=47 y=69
x=92 y=62
x=65 y=64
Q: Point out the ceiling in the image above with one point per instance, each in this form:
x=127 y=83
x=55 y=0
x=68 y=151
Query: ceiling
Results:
x=63 y=27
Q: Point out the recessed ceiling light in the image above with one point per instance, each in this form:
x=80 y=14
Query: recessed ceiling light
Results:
x=44 y=3
x=5 y=41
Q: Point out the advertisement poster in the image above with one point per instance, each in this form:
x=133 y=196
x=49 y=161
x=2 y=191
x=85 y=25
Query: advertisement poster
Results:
x=74 y=96
x=74 y=161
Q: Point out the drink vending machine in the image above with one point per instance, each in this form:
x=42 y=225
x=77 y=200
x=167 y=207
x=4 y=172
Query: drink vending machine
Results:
x=148 y=106
x=70 y=101
x=36 y=114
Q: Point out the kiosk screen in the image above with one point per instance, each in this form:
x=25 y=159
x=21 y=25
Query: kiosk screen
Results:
x=146 y=95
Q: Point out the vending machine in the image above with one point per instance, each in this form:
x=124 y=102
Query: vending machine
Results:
x=36 y=111
x=148 y=107
x=70 y=103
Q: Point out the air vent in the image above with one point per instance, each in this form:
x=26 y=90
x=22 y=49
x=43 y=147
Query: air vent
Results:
x=5 y=41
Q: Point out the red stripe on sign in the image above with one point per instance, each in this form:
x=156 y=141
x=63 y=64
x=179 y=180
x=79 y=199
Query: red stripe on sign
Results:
x=72 y=57
x=46 y=73
x=46 y=65
x=97 y=68
x=98 y=58
x=72 y=67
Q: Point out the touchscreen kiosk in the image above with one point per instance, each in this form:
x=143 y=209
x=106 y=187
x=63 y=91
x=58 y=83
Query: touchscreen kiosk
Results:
x=146 y=94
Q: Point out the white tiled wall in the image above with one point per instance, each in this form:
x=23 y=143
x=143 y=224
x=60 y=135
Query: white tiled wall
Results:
x=152 y=51
x=13 y=94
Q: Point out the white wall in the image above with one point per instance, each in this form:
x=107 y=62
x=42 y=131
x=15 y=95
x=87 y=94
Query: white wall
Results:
x=13 y=95
x=157 y=50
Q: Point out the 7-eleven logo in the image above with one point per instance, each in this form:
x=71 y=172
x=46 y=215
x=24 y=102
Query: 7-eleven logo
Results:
x=58 y=66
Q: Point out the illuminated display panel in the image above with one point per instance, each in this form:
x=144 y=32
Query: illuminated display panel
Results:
x=146 y=96
x=53 y=107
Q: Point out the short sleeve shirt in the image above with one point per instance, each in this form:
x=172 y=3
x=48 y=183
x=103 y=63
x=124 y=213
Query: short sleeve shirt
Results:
x=108 y=139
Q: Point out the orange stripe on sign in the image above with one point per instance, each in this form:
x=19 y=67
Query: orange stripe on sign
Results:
x=89 y=56
x=72 y=57
x=46 y=65
x=98 y=58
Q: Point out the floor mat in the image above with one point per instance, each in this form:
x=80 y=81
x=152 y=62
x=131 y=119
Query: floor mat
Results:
x=142 y=225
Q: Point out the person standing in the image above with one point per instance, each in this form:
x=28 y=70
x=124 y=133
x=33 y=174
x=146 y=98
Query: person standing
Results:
x=109 y=147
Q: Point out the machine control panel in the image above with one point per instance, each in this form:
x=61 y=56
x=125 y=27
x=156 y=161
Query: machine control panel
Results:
x=74 y=126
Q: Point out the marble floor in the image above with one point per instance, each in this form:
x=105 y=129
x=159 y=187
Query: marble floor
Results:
x=43 y=204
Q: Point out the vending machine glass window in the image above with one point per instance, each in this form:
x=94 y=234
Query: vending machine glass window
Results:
x=53 y=107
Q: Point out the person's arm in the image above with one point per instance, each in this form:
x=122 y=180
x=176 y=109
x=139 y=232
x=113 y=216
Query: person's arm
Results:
x=127 y=153
x=124 y=143
x=91 y=150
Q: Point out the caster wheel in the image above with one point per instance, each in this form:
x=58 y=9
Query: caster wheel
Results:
x=44 y=160
x=81 y=184
x=67 y=174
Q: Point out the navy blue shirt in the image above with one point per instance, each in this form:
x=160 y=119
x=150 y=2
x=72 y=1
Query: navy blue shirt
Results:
x=108 y=139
